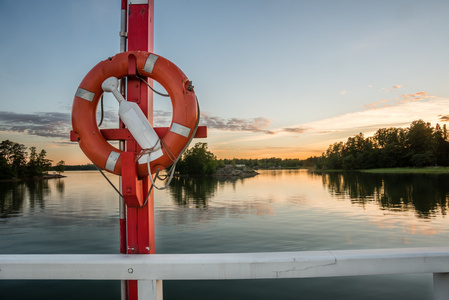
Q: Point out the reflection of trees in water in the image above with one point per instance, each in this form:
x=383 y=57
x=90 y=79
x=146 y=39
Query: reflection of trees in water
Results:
x=37 y=190
x=198 y=190
x=60 y=186
x=14 y=194
x=11 y=198
x=192 y=190
x=425 y=193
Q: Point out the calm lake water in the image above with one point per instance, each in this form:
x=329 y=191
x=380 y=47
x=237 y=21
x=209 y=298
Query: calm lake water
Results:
x=278 y=210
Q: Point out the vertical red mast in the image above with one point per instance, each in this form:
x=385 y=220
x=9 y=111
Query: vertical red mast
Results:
x=139 y=221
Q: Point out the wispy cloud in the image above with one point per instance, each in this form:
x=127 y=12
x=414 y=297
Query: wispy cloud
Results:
x=376 y=104
x=444 y=118
x=297 y=130
x=162 y=117
x=389 y=116
x=415 y=97
x=45 y=124
x=254 y=125
x=395 y=87
x=236 y=124
x=405 y=98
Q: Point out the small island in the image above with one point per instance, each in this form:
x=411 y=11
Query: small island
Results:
x=240 y=171
x=199 y=161
x=17 y=164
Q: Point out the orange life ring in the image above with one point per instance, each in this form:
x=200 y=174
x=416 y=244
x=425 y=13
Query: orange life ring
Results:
x=184 y=104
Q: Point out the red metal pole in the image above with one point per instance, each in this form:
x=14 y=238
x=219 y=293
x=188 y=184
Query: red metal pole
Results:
x=122 y=143
x=122 y=206
x=140 y=221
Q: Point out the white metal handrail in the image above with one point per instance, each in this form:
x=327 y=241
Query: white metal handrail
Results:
x=149 y=270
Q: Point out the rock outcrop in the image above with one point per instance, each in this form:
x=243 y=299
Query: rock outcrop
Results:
x=233 y=171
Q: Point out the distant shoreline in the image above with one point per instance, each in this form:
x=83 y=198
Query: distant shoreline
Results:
x=45 y=176
x=404 y=170
x=409 y=170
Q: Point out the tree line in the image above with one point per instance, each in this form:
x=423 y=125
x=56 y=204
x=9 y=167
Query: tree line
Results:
x=419 y=145
x=16 y=162
x=266 y=163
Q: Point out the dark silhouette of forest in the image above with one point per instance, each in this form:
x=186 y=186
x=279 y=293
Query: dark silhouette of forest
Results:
x=16 y=162
x=419 y=145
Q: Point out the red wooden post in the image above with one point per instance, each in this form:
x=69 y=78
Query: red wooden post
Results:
x=140 y=220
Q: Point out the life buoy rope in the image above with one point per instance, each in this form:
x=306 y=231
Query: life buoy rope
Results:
x=173 y=166
x=172 y=144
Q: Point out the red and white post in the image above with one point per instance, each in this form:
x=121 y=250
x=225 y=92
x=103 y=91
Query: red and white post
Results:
x=137 y=223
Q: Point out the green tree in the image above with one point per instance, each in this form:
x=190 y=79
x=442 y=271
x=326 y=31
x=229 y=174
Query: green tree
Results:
x=420 y=137
x=441 y=145
x=44 y=163
x=5 y=169
x=60 y=167
x=421 y=144
x=198 y=161
x=32 y=165
x=14 y=156
x=37 y=164
x=333 y=158
x=392 y=145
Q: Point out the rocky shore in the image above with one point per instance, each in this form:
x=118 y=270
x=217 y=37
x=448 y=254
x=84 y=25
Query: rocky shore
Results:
x=235 y=171
x=51 y=176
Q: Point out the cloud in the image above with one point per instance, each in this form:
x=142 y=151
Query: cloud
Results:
x=415 y=97
x=45 y=124
x=406 y=98
x=396 y=86
x=236 y=124
x=373 y=105
x=370 y=120
x=444 y=118
x=255 y=125
x=162 y=117
x=297 y=130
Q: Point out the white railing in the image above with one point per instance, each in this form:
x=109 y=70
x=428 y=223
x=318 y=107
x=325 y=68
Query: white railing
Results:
x=150 y=270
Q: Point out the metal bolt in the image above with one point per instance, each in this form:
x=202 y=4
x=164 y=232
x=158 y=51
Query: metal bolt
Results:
x=130 y=270
x=189 y=86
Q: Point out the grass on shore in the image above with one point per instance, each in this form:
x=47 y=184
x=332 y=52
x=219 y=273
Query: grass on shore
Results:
x=427 y=170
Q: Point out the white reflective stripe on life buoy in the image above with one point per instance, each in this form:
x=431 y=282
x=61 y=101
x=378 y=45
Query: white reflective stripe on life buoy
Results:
x=112 y=160
x=85 y=94
x=180 y=129
x=150 y=62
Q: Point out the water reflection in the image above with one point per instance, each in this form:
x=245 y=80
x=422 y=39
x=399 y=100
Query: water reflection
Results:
x=426 y=194
x=196 y=191
x=60 y=186
x=11 y=199
x=13 y=196
x=188 y=191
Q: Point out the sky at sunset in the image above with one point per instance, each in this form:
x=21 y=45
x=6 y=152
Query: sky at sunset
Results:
x=273 y=78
